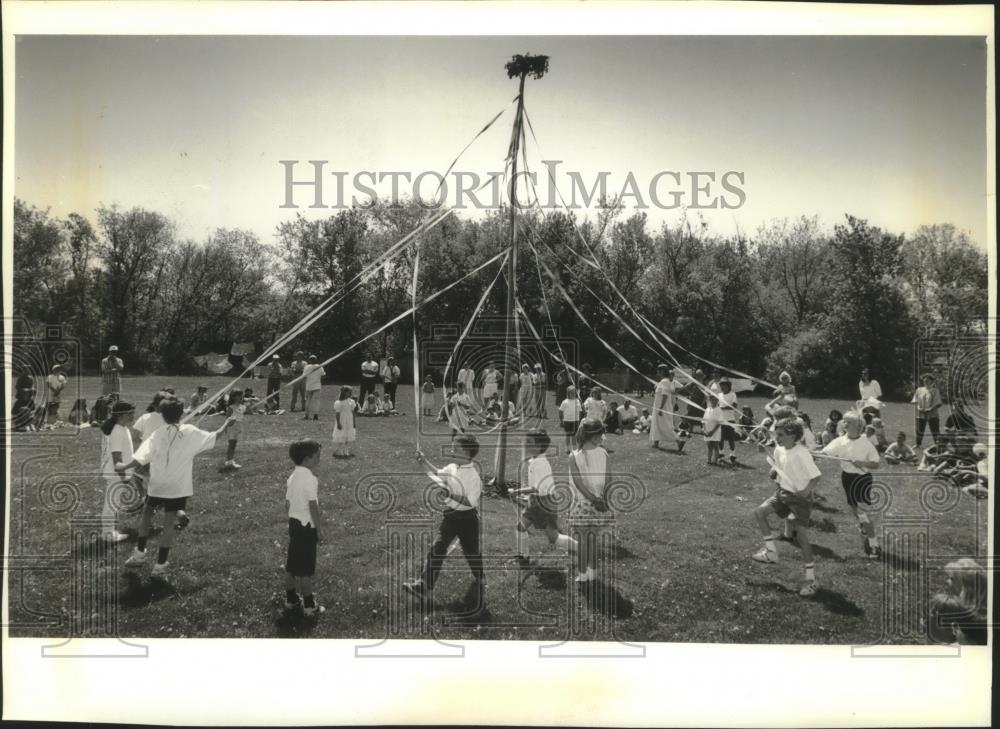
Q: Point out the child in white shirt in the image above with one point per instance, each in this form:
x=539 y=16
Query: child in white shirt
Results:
x=642 y=424
x=427 y=397
x=234 y=412
x=595 y=407
x=304 y=521
x=569 y=415
x=589 y=473
x=712 y=426
x=729 y=404
x=796 y=475
x=116 y=447
x=539 y=508
x=169 y=453
x=858 y=458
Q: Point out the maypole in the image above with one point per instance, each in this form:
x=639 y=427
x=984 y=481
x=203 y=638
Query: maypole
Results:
x=518 y=67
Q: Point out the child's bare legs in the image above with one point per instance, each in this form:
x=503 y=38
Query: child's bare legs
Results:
x=761 y=514
x=167 y=536
x=145 y=526
x=558 y=539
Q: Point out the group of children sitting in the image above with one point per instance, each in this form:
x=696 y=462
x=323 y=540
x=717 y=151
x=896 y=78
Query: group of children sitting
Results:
x=373 y=407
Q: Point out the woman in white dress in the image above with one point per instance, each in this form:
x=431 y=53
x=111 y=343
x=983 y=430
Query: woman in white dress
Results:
x=461 y=411
x=526 y=393
x=343 y=428
x=662 y=426
x=589 y=475
x=871 y=392
x=491 y=380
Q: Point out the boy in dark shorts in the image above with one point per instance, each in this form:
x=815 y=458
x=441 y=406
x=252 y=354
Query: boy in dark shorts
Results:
x=796 y=474
x=857 y=457
x=537 y=498
x=302 y=502
x=169 y=452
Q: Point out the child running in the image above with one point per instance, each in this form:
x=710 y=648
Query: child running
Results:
x=796 y=474
x=536 y=499
x=464 y=485
x=116 y=447
x=589 y=474
x=234 y=412
x=302 y=502
x=859 y=457
x=569 y=415
x=343 y=429
x=169 y=453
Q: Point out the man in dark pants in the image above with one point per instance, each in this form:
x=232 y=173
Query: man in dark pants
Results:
x=390 y=379
x=299 y=387
x=274 y=384
x=369 y=378
x=927 y=400
x=460 y=521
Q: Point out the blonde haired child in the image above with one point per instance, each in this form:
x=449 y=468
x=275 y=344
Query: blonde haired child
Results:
x=858 y=457
x=569 y=415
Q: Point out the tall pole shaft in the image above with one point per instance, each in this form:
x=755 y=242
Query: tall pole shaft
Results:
x=510 y=366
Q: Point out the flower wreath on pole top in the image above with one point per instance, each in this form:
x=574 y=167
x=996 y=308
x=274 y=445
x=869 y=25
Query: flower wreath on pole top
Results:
x=535 y=66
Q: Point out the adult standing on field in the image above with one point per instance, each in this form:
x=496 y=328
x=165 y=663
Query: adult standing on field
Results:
x=369 y=378
x=298 y=382
x=662 y=426
x=390 y=379
x=111 y=369
x=870 y=391
x=541 y=385
x=927 y=401
x=274 y=373
x=313 y=374
x=56 y=381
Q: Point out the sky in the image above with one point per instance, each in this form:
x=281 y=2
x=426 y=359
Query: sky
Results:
x=891 y=129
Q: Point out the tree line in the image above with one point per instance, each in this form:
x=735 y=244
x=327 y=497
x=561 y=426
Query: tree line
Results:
x=822 y=304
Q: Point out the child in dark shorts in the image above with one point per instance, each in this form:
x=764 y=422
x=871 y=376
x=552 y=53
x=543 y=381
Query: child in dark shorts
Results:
x=796 y=475
x=537 y=499
x=302 y=502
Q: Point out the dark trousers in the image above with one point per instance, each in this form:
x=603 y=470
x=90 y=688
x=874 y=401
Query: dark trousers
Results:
x=922 y=423
x=367 y=388
x=463 y=525
x=299 y=392
x=728 y=436
x=390 y=390
x=273 y=386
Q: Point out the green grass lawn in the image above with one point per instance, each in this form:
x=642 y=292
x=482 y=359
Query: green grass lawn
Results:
x=681 y=560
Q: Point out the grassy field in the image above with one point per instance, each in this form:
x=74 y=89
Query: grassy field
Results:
x=682 y=559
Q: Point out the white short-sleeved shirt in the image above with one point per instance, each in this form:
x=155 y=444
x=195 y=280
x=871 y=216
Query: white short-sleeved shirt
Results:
x=596 y=409
x=314 y=376
x=796 y=467
x=170 y=453
x=729 y=414
x=462 y=481
x=120 y=440
x=301 y=488
x=540 y=475
x=629 y=413
x=570 y=409
x=859 y=449
x=148 y=423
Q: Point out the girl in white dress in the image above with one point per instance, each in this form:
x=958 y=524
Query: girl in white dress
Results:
x=461 y=411
x=427 y=397
x=662 y=426
x=343 y=429
x=589 y=473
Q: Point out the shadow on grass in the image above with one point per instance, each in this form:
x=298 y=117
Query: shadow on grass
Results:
x=825 y=525
x=470 y=609
x=824 y=507
x=620 y=551
x=294 y=624
x=899 y=562
x=835 y=602
x=139 y=593
x=605 y=599
x=101 y=548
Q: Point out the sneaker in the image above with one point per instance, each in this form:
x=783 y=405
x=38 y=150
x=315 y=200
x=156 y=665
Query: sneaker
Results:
x=316 y=609
x=790 y=540
x=234 y=464
x=160 y=569
x=136 y=559
x=732 y=459
x=416 y=588
x=765 y=555
x=182 y=520
x=115 y=536
x=809 y=589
